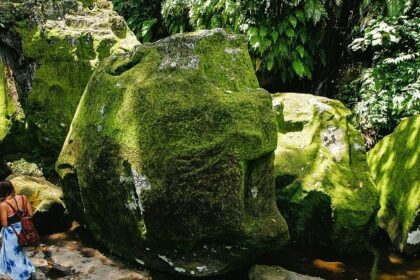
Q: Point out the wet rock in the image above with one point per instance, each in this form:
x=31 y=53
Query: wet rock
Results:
x=265 y=272
x=395 y=166
x=324 y=188
x=176 y=140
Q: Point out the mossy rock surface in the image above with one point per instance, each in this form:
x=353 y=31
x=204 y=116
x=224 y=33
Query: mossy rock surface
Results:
x=4 y=111
x=395 y=166
x=61 y=43
x=323 y=185
x=169 y=160
x=22 y=167
x=10 y=109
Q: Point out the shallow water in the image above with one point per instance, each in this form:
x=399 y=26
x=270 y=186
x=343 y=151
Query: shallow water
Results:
x=379 y=264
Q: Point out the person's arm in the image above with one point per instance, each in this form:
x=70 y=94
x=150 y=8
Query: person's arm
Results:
x=28 y=205
x=3 y=215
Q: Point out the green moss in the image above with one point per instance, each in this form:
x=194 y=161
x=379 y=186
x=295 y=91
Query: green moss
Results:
x=7 y=104
x=3 y=103
x=63 y=72
x=22 y=167
x=66 y=55
x=87 y=3
x=323 y=183
x=187 y=141
x=395 y=166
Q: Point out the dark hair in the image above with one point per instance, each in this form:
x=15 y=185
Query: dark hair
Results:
x=6 y=189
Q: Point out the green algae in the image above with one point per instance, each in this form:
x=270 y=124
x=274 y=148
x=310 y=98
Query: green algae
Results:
x=184 y=152
x=394 y=163
x=323 y=184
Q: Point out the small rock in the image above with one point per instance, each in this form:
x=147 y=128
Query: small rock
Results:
x=265 y=272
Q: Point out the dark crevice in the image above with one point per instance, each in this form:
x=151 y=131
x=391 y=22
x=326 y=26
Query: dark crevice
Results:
x=127 y=64
x=11 y=54
x=284 y=180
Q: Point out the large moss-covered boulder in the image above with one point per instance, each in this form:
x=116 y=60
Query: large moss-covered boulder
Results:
x=48 y=51
x=46 y=199
x=169 y=160
x=324 y=188
x=395 y=166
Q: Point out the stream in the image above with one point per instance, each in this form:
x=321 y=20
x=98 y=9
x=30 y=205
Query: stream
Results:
x=74 y=255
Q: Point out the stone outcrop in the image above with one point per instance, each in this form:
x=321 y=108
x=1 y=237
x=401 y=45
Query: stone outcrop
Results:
x=172 y=148
x=395 y=166
x=22 y=167
x=324 y=188
x=48 y=51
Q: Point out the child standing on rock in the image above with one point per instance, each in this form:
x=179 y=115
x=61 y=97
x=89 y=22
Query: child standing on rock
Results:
x=13 y=259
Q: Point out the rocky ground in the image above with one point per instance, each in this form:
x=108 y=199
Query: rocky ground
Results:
x=71 y=255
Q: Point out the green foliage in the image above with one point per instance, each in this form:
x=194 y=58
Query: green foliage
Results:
x=391 y=8
x=389 y=88
x=175 y=15
x=284 y=36
x=143 y=17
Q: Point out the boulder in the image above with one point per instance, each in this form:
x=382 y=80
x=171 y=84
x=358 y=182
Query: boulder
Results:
x=395 y=165
x=22 y=167
x=46 y=199
x=169 y=159
x=324 y=188
x=48 y=51
x=265 y=272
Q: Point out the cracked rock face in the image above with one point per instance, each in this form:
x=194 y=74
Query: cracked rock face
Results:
x=324 y=188
x=48 y=51
x=183 y=159
x=395 y=165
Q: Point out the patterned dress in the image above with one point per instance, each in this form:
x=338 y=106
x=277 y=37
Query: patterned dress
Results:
x=13 y=259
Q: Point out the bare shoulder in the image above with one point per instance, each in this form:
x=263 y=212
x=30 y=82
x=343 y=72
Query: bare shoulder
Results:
x=24 y=197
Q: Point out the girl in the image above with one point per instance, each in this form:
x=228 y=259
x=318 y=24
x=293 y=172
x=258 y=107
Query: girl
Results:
x=13 y=259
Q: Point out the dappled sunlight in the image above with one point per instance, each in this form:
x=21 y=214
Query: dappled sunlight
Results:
x=206 y=138
x=331 y=174
x=395 y=166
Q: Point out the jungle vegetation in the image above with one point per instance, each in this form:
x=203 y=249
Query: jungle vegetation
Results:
x=365 y=53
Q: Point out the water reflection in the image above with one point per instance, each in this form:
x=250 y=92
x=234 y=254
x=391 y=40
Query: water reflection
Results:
x=378 y=264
